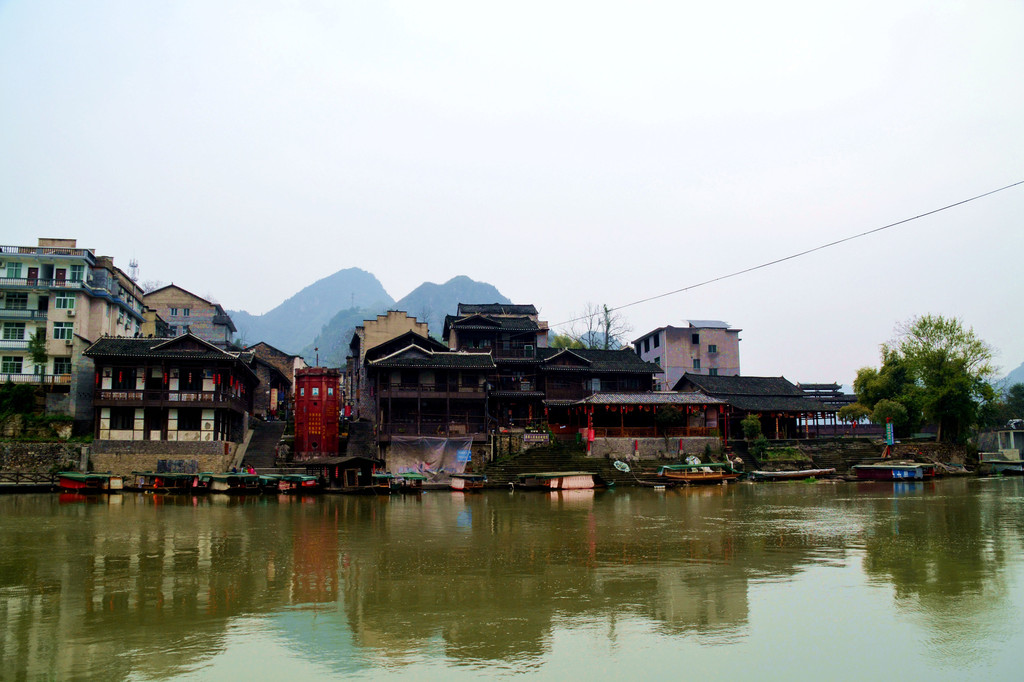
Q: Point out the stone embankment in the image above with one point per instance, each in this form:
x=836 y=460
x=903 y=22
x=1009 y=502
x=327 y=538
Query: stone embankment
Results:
x=42 y=457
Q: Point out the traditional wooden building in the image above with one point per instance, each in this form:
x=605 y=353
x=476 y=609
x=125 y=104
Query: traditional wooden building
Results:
x=180 y=389
x=784 y=410
x=317 y=412
x=421 y=388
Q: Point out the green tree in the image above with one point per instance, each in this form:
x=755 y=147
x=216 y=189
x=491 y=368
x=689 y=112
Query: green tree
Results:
x=889 y=410
x=1015 y=401
x=565 y=341
x=936 y=369
x=37 y=350
x=751 y=426
x=853 y=413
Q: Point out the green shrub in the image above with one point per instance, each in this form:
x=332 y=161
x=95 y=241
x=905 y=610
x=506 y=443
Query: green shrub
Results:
x=751 y=427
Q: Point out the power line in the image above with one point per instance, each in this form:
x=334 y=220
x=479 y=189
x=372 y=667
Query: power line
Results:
x=801 y=253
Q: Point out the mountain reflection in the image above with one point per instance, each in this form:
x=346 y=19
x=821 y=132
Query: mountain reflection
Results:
x=149 y=586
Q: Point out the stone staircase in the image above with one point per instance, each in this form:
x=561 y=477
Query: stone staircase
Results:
x=262 y=448
x=565 y=458
x=841 y=454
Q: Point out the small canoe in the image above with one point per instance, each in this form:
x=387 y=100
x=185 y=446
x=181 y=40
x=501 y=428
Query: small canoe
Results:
x=790 y=475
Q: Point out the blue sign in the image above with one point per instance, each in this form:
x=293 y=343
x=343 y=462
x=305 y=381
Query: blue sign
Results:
x=463 y=455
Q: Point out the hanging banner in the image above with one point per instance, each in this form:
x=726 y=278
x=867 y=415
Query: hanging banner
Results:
x=433 y=457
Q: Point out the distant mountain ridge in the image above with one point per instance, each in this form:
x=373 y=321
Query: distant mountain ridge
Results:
x=318 y=321
x=1014 y=377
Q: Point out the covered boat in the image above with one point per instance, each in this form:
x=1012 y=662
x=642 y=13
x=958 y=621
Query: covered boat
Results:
x=85 y=483
x=1006 y=460
x=230 y=483
x=161 y=482
x=467 y=481
x=298 y=483
x=711 y=472
x=561 y=480
x=894 y=471
x=411 y=482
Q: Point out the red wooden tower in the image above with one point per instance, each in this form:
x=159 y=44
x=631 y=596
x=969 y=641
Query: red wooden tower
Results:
x=317 y=405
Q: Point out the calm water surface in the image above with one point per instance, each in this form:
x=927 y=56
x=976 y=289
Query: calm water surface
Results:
x=786 y=581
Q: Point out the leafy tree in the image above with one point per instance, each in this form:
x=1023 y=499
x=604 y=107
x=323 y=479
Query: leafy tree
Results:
x=17 y=398
x=889 y=410
x=1015 y=401
x=853 y=413
x=37 y=350
x=565 y=341
x=751 y=425
x=670 y=415
x=936 y=369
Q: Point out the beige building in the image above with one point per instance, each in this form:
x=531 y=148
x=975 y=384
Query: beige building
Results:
x=369 y=335
x=186 y=312
x=708 y=347
x=71 y=297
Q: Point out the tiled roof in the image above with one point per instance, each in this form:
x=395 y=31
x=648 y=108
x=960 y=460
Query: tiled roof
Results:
x=496 y=309
x=708 y=324
x=487 y=323
x=414 y=357
x=754 y=394
x=116 y=346
x=651 y=398
x=624 y=360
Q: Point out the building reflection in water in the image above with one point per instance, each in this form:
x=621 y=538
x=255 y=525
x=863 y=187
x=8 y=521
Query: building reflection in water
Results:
x=150 y=585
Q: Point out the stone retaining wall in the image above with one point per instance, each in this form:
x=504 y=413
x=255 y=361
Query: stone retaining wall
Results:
x=123 y=457
x=653 y=448
x=41 y=457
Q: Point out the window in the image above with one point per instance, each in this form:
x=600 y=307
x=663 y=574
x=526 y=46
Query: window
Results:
x=122 y=418
x=316 y=391
x=696 y=363
x=190 y=419
x=14 y=331
x=713 y=372
x=11 y=364
x=647 y=345
x=174 y=330
x=63 y=330
x=62 y=365
x=712 y=348
x=695 y=338
x=77 y=273
x=657 y=340
x=185 y=312
x=64 y=301
x=16 y=301
x=302 y=391
x=174 y=311
x=123 y=379
x=14 y=270
x=657 y=361
x=330 y=391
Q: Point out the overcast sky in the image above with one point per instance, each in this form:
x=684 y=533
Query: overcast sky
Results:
x=564 y=152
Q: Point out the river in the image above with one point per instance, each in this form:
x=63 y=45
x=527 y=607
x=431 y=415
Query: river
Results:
x=776 y=581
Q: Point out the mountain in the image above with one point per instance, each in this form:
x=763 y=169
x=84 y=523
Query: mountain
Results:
x=291 y=325
x=1014 y=377
x=430 y=302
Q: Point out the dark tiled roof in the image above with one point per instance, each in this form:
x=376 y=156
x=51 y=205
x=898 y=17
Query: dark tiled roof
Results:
x=516 y=394
x=486 y=323
x=181 y=347
x=754 y=394
x=407 y=339
x=496 y=309
x=624 y=360
x=651 y=398
x=417 y=358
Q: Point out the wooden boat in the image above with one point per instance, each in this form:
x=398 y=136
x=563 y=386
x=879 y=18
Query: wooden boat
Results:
x=167 y=483
x=411 y=482
x=230 y=484
x=467 y=482
x=383 y=484
x=710 y=472
x=269 y=482
x=1007 y=459
x=298 y=483
x=894 y=471
x=86 y=483
x=790 y=475
x=561 y=480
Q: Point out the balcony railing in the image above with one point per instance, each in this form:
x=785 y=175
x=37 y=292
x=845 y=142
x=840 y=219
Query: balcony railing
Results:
x=37 y=379
x=45 y=251
x=13 y=344
x=411 y=390
x=170 y=398
x=21 y=314
x=433 y=426
x=38 y=283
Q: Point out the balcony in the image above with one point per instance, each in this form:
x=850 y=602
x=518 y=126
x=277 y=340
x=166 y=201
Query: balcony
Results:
x=13 y=344
x=46 y=251
x=430 y=390
x=137 y=398
x=37 y=379
x=14 y=314
x=37 y=283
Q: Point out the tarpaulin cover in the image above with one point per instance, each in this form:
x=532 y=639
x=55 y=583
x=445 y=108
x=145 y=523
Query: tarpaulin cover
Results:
x=433 y=457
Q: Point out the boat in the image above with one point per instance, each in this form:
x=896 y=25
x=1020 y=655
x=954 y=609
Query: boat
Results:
x=710 y=472
x=298 y=483
x=1006 y=459
x=230 y=483
x=269 y=482
x=790 y=475
x=561 y=480
x=411 y=482
x=467 y=482
x=157 y=482
x=894 y=471
x=86 y=483
x=384 y=483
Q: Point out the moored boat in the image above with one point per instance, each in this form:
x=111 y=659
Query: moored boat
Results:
x=894 y=471
x=561 y=480
x=467 y=482
x=230 y=483
x=711 y=472
x=1007 y=459
x=411 y=482
x=86 y=483
x=156 y=482
x=383 y=483
x=790 y=475
x=298 y=483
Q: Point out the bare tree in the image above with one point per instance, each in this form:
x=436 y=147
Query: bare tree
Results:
x=150 y=285
x=599 y=326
